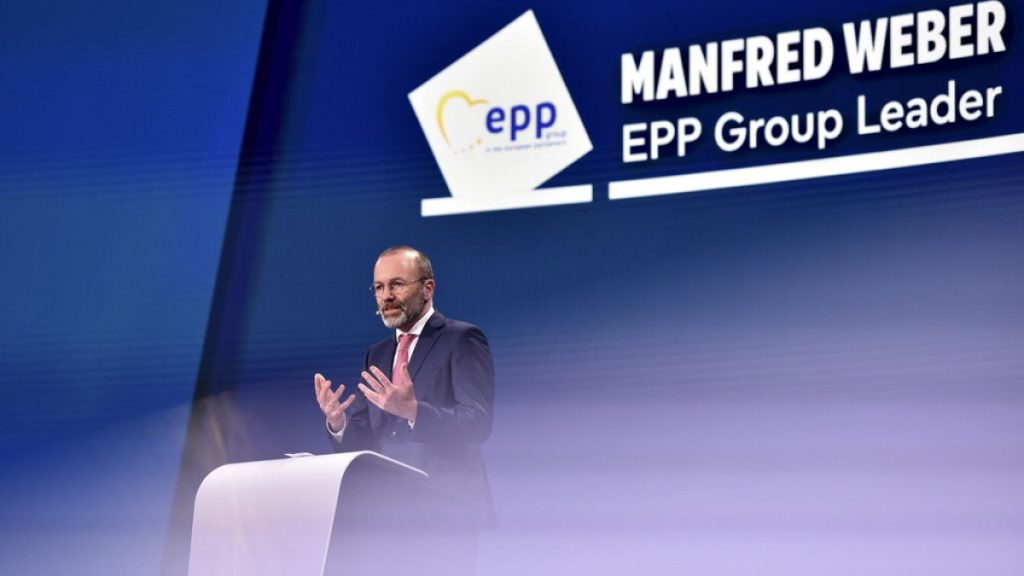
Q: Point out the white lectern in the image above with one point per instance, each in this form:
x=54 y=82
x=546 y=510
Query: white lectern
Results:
x=310 y=515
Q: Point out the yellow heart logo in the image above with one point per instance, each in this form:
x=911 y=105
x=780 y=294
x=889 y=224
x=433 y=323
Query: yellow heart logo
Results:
x=448 y=97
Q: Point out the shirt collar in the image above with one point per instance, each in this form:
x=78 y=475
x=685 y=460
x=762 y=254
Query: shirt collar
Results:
x=417 y=328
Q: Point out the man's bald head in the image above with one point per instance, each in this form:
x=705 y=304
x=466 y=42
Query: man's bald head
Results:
x=420 y=260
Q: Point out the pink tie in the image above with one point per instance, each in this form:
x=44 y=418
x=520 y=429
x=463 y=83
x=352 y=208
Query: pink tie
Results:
x=401 y=358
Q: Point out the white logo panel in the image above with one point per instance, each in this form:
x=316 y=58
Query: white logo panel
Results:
x=500 y=122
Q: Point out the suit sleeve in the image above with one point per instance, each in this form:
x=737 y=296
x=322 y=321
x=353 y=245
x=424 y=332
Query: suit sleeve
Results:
x=469 y=419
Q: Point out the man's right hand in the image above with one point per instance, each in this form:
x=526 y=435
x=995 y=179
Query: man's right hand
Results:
x=329 y=404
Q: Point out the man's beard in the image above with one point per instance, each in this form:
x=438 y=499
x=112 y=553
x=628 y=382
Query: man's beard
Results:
x=408 y=311
x=395 y=321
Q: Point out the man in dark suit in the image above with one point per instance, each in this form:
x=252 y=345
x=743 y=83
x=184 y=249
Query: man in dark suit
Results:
x=427 y=392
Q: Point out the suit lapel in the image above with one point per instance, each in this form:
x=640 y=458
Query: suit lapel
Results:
x=425 y=343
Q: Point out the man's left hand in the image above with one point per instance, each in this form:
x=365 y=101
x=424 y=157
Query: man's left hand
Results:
x=397 y=399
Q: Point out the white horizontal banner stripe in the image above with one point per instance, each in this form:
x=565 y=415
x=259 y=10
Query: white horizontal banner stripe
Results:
x=531 y=199
x=807 y=169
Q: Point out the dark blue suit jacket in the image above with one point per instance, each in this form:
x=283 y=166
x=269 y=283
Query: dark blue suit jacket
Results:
x=453 y=379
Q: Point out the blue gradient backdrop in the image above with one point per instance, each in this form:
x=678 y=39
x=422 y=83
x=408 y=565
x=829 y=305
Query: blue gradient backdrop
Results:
x=820 y=377
x=120 y=128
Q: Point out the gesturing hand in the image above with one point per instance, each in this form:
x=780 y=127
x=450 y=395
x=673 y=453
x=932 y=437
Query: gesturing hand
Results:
x=393 y=398
x=328 y=401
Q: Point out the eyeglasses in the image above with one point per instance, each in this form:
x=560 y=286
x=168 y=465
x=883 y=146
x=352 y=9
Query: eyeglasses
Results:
x=395 y=286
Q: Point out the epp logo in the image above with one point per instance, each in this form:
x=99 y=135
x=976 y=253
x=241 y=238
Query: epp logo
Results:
x=500 y=123
x=497 y=120
x=544 y=116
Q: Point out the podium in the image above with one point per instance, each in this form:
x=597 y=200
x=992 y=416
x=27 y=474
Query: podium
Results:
x=311 y=515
